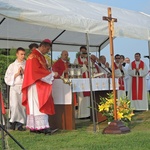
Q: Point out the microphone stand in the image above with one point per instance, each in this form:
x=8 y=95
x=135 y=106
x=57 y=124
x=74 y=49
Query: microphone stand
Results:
x=104 y=68
x=107 y=73
x=3 y=129
x=99 y=64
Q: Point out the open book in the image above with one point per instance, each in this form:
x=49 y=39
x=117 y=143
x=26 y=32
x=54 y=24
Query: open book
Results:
x=97 y=74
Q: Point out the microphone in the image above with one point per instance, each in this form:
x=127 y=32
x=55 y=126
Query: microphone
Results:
x=105 y=68
x=99 y=64
x=85 y=53
x=146 y=57
x=21 y=74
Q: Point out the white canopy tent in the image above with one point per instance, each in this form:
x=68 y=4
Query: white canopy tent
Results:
x=66 y=22
x=23 y=22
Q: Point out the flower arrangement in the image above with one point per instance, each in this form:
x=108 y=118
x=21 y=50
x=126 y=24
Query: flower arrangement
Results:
x=124 y=112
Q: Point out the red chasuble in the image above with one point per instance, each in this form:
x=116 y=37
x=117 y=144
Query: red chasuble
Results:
x=120 y=80
x=60 y=66
x=35 y=69
x=137 y=83
x=2 y=104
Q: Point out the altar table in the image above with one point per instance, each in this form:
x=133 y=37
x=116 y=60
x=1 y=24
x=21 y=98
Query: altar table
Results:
x=64 y=117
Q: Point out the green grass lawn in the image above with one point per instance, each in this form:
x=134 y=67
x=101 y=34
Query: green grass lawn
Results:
x=83 y=138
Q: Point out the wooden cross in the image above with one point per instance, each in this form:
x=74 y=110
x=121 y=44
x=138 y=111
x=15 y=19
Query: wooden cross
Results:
x=111 y=35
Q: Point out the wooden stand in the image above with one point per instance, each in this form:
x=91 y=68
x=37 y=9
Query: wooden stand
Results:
x=64 y=117
x=116 y=127
x=98 y=94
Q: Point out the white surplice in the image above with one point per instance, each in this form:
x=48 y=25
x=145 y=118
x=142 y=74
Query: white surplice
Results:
x=138 y=104
x=83 y=102
x=118 y=74
x=104 y=70
x=126 y=77
x=17 y=110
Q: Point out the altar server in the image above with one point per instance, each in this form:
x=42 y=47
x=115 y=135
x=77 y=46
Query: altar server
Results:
x=14 y=78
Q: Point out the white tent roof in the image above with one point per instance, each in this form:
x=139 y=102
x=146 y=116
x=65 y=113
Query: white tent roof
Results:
x=36 y=20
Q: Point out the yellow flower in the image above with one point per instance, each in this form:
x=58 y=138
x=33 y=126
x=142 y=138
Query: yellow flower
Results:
x=124 y=112
x=101 y=107
x=119 y=115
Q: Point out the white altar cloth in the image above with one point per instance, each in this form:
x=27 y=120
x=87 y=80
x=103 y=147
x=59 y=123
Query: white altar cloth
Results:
x=62 y=93
x=98 y=84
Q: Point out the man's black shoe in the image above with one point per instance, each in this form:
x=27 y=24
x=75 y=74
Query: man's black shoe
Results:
x=21 y=128
x=53 y=130
x=13 y=125
x=35 y=131
x=48 y=131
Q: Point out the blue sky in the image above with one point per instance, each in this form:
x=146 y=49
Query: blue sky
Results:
x=126 y=46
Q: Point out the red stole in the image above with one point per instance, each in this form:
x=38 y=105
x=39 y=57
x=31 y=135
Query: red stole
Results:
x=2 y=104
x=84 y=76
x=35 y=69
x=120 y=80
x=137 y=87
x=60 y=66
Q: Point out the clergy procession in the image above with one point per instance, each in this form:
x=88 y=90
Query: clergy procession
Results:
x=31 y=81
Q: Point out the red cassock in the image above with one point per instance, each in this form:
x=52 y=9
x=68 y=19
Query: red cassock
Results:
x=35 y=69
x=2 y=104
x=60 y=66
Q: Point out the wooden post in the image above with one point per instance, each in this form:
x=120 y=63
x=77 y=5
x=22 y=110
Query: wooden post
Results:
x=115 y=127
x=111 y=34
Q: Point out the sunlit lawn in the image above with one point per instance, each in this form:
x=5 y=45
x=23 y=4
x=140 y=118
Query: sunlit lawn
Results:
x=83 y=138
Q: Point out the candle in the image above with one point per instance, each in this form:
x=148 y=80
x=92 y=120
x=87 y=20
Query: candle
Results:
x=78 y=72
x=71 y=72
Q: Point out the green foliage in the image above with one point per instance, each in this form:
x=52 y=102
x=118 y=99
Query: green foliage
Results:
x=6 y=60
x=13 y=52
x=77 y=54
x=4 y=63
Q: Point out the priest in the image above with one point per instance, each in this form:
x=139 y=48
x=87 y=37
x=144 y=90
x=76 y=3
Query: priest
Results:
x=137 y=92
x=83 y=98
x=61 y=65
x=37 y=90
x=120 y=73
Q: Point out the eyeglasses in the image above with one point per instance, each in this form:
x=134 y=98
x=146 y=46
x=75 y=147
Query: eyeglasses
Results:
x=117 y=58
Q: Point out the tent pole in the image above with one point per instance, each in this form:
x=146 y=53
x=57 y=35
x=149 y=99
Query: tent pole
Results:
x=149 y=52
x=53 y=42
x=90 y=81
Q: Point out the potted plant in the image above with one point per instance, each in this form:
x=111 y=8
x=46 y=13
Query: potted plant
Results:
x=124 y=111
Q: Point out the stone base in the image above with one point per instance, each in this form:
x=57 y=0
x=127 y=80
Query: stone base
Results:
x=116 y=127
